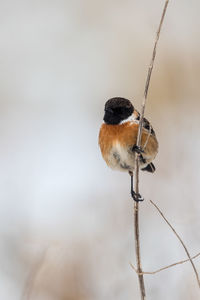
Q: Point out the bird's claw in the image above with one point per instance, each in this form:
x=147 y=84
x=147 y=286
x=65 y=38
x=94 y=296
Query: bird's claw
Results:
x=137 y=149
x=136 y=196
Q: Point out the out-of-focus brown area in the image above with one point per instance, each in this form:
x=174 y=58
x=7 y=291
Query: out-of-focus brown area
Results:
x=66 y=219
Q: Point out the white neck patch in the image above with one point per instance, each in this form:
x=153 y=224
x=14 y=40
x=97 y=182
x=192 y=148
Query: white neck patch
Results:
x=131 y=118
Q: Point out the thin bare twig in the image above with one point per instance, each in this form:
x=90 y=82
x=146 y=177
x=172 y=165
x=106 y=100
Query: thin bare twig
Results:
x=181 y=241
x=167 y=267
x=149 y=74
x=33 y=274
x=136 y=205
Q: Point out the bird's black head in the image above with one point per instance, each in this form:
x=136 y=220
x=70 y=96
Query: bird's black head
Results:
x=116 y=110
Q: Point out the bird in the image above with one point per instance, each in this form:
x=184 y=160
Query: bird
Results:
x=118 y=139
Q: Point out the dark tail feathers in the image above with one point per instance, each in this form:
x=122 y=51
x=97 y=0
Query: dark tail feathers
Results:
x=149 y=168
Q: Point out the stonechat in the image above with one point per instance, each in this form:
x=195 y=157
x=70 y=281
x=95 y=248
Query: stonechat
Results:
x=118 y=138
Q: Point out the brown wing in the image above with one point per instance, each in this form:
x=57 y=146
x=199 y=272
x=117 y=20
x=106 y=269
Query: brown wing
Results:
x=146 y=124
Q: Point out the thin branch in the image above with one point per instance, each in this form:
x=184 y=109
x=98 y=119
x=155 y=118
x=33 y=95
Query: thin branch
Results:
x=181 y=241
x=136 y=205
x=149 y=74
x=33 y=274
x=164 y=268
x=137 y=250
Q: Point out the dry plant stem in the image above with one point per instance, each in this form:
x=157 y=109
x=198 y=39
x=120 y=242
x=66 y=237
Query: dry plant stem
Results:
x=185 y=248
x=136 y=205
x=164 y=268
x=32 y=276
x=137 y=241
x=149 y=74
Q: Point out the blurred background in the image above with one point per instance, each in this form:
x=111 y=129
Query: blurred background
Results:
x=66 y=219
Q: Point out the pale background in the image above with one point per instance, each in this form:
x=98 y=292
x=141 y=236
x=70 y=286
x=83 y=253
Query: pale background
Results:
x=66 y=219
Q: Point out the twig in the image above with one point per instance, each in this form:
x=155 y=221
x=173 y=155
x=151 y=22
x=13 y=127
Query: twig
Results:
x=149 y=74
x=164 y=268
x=136 y=205
x=32 y=276
x=177 y=235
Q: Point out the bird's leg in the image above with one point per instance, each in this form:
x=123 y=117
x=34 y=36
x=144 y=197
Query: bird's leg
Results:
x=136 y=197
x=137 y=149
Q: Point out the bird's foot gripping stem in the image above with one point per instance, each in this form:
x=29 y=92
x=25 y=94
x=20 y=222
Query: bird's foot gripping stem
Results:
x=136 y=197
x=138 y=149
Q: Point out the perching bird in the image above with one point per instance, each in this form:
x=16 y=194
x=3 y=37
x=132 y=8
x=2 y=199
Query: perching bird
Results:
x=118 y=138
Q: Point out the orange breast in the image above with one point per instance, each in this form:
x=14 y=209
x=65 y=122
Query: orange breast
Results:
x=126 y=135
